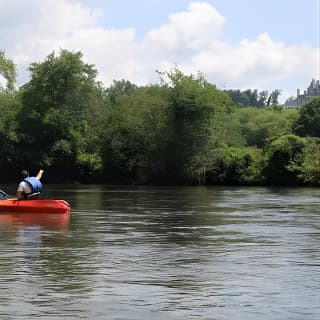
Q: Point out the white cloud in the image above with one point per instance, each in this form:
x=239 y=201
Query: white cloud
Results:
x=196 y=28
x=30 y=30
x=257 y=62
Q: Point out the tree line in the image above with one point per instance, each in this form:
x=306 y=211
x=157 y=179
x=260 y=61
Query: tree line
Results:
x=180 y=131
x=253 y=98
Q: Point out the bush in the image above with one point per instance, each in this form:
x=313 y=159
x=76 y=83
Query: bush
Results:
x=308 y=171
x=308 y=122
x=282 y=158
x=231 y=165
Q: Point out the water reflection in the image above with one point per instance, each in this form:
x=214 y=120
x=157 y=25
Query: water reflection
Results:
x=165 y=253
x=50 y=221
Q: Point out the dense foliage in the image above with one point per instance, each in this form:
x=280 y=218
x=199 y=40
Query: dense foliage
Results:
x=253 y=98
x=8 y=71
x=182 y=131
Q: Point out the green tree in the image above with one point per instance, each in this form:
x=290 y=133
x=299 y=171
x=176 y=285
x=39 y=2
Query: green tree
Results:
x=274 y=96
x=234 y=165
x=309 y=170
x=119 y=88
x=8 y=71
x=195 y=107
x=61 y=110
x=9 y=106
x=134 y=136
x=262 y=100
x=308 y=122
x=259 y=126
x=253 y=98
x=283 y=155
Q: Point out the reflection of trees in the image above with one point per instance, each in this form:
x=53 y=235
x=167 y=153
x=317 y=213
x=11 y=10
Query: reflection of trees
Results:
x=88 y=197
x=166 y=232
x=80 y=197
x=45 y=220
x=170 y=215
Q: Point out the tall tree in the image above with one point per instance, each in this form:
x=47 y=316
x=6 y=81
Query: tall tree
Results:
x=134 y=136
x=9 y=106
x=61 y=105
x=263 y=96
x=8 y=71
x=274 y=96
x=118 y=88
x=194 y=110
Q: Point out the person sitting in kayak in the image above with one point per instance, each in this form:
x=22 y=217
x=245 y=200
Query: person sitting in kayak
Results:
x=30 y=187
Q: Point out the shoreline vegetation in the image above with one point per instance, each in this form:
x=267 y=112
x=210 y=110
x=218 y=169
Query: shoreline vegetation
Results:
x=183 y=131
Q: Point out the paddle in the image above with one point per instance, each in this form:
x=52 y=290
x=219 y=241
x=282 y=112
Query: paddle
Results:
x=3 y=195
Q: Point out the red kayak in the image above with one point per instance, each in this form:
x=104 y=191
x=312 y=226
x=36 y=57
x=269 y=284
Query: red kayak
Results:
x=34 y=206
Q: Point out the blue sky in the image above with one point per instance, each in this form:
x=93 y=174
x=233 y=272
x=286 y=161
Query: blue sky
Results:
x=292 y=21
x=257 y=44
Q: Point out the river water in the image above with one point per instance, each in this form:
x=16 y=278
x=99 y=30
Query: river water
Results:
x=165 y=253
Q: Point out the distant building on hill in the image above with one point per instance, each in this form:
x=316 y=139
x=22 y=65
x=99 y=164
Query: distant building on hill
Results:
x=312 y=91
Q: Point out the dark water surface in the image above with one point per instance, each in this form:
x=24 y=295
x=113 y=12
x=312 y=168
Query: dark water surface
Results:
x=165 y=253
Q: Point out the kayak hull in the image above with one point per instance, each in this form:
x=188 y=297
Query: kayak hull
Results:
x=34 y=206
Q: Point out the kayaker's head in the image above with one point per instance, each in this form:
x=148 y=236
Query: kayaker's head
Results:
x=24 y=174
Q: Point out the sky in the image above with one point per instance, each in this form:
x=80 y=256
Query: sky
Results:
x=236 y=44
